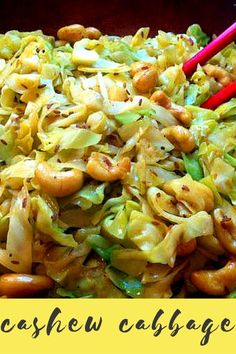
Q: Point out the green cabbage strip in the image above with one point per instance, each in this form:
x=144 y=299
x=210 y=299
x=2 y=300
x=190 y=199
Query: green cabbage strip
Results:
x=193 y=166
x=130 y=117
x=201 y=38
x=130 y=285
x=101 y=246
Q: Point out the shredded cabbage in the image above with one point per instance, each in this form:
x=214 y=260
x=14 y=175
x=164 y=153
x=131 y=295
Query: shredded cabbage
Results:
x=93 y=193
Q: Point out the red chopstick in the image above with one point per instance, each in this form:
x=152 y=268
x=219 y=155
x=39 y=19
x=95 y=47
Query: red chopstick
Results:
x=220 y=97
x=210 y=50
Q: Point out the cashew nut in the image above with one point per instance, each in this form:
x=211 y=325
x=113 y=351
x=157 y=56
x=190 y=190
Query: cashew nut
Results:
x=216 y=282
x=218 y=73
x=139 y=66
x=21 y=285
x=58 y=184
x=71 y=33
x=144 y=76
x=180 y=137
x=180 y=113
x=145 y=80
x=102 y=168
x=76 y=32
x=194 y=195
x=92 y=33
x=159 y=97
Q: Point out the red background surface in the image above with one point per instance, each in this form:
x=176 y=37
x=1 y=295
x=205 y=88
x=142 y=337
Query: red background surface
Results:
x=117 y=17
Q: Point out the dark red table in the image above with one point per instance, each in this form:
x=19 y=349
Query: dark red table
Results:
x=117 y=17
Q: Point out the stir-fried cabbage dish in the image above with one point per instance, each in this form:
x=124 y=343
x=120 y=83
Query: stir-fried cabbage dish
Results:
x=114 y=181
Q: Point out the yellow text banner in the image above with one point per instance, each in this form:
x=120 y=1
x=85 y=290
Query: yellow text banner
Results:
x=106 y=326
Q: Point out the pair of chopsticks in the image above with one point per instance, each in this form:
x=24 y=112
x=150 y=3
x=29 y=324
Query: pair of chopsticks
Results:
x=203 y=56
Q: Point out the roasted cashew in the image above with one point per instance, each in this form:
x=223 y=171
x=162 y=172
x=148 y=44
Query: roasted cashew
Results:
x=144 y=76
x=218 y=73
x=180 y=137
x=76 y=32
x=92 y=33
x=180 y=113
x=225 y=230
x=102 y=168
x=216 y=282
x=71 y=33
x=139 y=66
x=194 y=195
x=159 y=97
x=58 y=184
x=21 y=285
x=145 y=80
